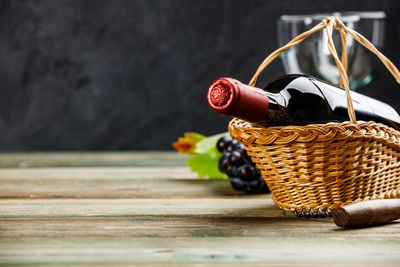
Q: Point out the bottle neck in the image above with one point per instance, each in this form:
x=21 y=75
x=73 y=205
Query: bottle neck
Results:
x=230 y=97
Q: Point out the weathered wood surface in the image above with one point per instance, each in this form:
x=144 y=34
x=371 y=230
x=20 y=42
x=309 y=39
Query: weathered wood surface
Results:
x=91 y=159
x=163 y=215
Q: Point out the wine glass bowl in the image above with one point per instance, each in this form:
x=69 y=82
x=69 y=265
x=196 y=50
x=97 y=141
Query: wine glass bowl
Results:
x=312 y=55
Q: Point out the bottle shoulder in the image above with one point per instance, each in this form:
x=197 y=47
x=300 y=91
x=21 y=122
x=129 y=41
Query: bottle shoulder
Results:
x=279 y=83
x=293 y=85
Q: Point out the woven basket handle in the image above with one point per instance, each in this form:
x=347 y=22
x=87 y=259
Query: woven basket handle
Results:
x=331 y=23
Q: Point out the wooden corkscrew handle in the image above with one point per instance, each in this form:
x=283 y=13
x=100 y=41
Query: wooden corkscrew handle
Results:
x=367 y=213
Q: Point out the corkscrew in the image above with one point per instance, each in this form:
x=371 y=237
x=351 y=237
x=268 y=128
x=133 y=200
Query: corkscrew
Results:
x=363 y=213
x=319 y=213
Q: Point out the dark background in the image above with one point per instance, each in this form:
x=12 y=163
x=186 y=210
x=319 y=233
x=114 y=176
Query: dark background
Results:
x=132 y=75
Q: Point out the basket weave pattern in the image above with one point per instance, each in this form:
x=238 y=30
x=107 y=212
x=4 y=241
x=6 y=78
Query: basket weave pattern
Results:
x=323 y=166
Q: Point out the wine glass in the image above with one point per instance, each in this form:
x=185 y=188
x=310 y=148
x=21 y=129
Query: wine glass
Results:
x=312 y=55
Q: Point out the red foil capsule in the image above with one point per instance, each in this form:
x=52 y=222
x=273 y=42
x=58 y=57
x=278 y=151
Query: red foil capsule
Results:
x=230 y=97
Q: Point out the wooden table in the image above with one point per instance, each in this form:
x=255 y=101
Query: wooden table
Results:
x=123 y=208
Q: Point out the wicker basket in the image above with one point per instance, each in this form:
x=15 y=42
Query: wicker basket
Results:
x=315 y=168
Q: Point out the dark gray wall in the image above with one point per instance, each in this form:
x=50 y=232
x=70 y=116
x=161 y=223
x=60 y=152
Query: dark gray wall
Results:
x=110 y=75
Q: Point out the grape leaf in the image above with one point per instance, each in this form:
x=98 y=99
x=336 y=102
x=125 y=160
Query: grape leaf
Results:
x=210 y=142
x=206 y=164
x=204 y=152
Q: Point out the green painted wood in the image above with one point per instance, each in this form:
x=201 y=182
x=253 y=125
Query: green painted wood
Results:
x=182 y=230
x=169 y=227
x=96 y=173
x=92 y=159
x=162 y=215
x=105 y=182
x=252 y=206
x=175 y=264
x=138 y=239
x=282 y=248
x=116 y=188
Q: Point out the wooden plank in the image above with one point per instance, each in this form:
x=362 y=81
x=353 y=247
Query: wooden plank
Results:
x=162 y=215
x=197 y=250
x=233 y=264
x=280 y=247
x=203 y=265
x=168 y=227
x=251 y=206
x=105 y=182
x=201 y=226
x=91 y=159
x=272 y=240
x=86 y=173
x=116 y=188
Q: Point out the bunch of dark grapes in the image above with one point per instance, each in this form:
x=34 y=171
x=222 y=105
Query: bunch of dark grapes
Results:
x=243 y=173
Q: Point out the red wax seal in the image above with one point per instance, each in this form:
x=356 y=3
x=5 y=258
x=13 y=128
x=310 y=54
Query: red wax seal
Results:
x=220 y=94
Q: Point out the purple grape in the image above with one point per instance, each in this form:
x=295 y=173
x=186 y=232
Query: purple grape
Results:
x=238 y=184
x=264 y=188
x=243 y=173
x=223 y=163
x=239 y=148
x=255 y=186
x=231 y=170
x=229 y=147
x=235 y=158
x=246 y=158
x=247 y=173
x=223 y=142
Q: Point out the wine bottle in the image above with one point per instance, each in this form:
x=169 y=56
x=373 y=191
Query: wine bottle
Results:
x=295 y=100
